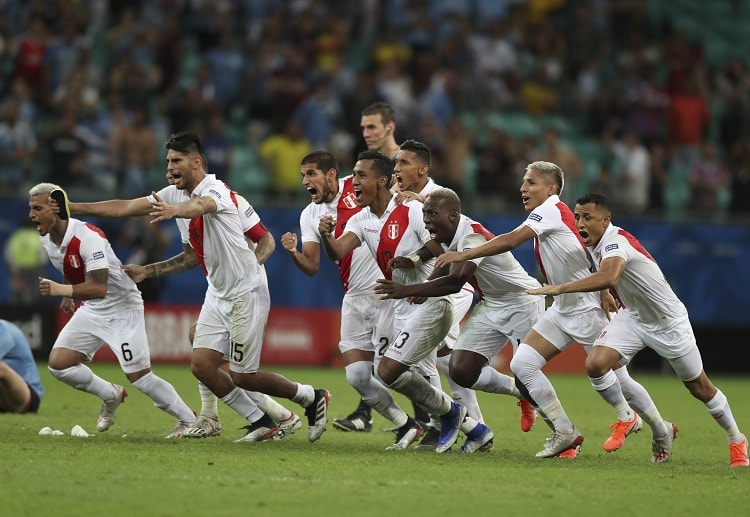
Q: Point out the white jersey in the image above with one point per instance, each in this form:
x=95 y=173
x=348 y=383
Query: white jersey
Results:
x=465 y=297
x=253 y=228
x=399 y=232
x=358 y=270
x=217 y=238
x=499 y=279
x=561 y=254
x=85 y=248
x=642 y=287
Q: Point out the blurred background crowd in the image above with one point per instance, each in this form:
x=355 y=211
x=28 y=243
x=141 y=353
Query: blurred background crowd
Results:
x=648 y=101
x=645 y=100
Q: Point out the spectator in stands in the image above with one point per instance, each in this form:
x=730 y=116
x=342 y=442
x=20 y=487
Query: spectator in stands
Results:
x=707 y=176
x=216 y=145
x=634 y=163
x=67 y=152
x=17 y=146
x=26 y=262
x=282 y=153
x=134 y=146
x=688 y=121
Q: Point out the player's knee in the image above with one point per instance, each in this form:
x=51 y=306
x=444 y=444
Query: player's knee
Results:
x=388 y=373
x=359 y=375
x=525 y=361
x=399 y=380
x=595 y=368
x=600 y=360
x=463 y=374
x=55 y=372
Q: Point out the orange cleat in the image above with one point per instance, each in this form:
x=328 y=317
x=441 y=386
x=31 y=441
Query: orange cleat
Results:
x=620 y=431
x=528 y=415
x=738 y=453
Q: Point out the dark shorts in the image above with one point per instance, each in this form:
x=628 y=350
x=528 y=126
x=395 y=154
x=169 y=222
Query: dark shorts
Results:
x=33 y=406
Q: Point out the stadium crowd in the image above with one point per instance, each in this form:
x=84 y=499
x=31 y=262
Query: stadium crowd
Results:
x=628 y=97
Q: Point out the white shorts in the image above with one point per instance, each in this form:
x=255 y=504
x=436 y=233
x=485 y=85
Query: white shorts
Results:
x=564 y=330
x=489 y=328
x=676 y=343
x=462 y=301
x=234 y=328
x=366 y=322
x=420 y=336
x=124 y=333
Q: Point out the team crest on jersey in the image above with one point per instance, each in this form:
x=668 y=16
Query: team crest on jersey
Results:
x=393 y=230
x=535 y=217
x=74 y=262
x=350 y=201
x=610 y=247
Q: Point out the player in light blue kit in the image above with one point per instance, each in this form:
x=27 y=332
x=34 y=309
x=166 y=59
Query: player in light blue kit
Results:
x=20 y=386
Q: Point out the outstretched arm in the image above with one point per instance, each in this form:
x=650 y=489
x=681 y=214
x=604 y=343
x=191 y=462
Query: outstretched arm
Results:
x=607 y=277
x=190 y=209
x=494 y=246
x=451 y=283
x=113 y=208
x=177 y=264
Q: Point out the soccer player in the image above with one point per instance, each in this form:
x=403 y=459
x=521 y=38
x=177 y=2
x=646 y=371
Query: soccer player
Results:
x=505 y=311
x=112 y=313
x=236 y=306
x=366 y=322
x=390 y=230
x=262 y=243
x=562 y=257
x=378 y=124
x=20 y=386
x=652 y=317
x=411 y=173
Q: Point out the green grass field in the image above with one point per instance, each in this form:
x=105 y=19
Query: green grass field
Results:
x=131 y=469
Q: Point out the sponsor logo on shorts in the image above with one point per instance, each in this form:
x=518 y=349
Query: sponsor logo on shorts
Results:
x=535 y=217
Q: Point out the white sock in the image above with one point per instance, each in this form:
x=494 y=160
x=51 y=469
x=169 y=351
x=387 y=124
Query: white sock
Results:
x=719 y=408
x=417 y=389
x=165 y=397
x=238 y=400
x=527 y=366
x=373 y=392
x=209 y=401
x=269 y=406
x=465 y=396
x=641 y=402
x=609 y=388
x=492 y=381
x=305 y=395
x=81 y=377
